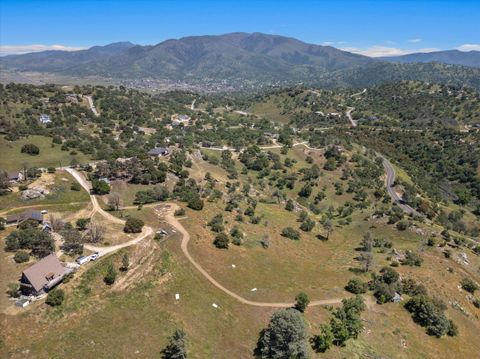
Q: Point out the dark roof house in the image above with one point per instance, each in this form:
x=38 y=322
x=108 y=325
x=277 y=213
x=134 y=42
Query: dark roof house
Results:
x=42 y=276
x=23 y=216
x=158 y=151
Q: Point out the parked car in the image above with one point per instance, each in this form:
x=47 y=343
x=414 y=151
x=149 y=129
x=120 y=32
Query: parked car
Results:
x=83 y=259
x=44 y=211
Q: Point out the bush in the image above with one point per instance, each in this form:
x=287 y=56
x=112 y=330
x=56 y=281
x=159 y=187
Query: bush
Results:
x=429 y=312
x=290 y=233
x=402 y=225
x=221 y=241
x=30 y=149
x=21 y=257
x=55 y=297
x=301 y=302
x=13 y=290
x=412 y=259
x=195 y=202
x=100 y=187
x=469 y=285
x=51 y=169
x=111 y=275
x=75 y=186
x=179 y=212
x=323 y=341
x=133 y=225
x=82 y=223
x=356 y=286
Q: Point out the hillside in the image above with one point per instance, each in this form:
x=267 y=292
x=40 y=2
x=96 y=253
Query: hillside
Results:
x=452 y=57
x=236 y=61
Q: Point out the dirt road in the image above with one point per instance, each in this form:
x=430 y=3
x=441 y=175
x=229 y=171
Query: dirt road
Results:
x=147 y=231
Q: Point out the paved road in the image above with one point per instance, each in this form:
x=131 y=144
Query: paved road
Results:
x=147 y=231
x=389 y=181
x=92 y=106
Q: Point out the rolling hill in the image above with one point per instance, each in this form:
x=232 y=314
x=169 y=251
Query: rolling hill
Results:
x=235 y=59
x=451 y=57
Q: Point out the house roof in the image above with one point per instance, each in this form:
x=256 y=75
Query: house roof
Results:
x=158 y=151
x=48 y=266
x=28 y=214
x=13 y=174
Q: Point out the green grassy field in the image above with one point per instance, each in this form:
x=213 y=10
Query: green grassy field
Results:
x=12 y=159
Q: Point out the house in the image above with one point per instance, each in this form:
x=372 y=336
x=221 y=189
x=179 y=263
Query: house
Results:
x=15 y=176
x=178 y=120
x=24 y=216
x=42 y=276
x=45 y=119
x=158 y=152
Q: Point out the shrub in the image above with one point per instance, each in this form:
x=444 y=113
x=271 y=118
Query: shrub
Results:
x=179 y=212
x=177 y=346
x=100 y=187
x=195 y=202
x=13 y=290
x=402 y=225
x=469 y=285
x=82 y=223
x=30 y=149
x=75 y=186
x=429 y=312
x=55 y=297
x=290 y=233
x=133 y=225
x=111 y=275
x=301 y=302
x=21 y=257
x=51 y=169
x=412 y=259
x=221 y=241
x=356 y=286
x=323 y=341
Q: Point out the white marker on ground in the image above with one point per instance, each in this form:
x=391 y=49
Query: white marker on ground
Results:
x=253 y=290
x=214 y=305
x=234 y=266
x=177 y=296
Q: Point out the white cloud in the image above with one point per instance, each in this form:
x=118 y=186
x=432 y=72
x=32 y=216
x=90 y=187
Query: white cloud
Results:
x=469 y=47
x=415 y=41
x=23 y=49
x=380 y=51
x=328 y=43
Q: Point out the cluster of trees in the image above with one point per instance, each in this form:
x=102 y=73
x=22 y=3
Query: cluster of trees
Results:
x=286 y=335
x=28 y=236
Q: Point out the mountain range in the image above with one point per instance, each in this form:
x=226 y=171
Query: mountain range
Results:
x=239 y=58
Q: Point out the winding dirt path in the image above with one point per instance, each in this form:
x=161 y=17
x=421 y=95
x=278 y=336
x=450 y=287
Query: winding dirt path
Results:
x=147 y=230
x=170 y=218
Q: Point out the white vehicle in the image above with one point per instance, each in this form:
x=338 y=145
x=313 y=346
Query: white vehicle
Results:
x=44 y=211
x=94 y=256
x=83 y=259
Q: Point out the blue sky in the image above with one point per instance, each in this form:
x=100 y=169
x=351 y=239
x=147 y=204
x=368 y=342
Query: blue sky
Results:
x=370 y=27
